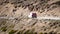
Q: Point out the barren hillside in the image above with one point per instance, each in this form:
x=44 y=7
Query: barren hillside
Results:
x=18 y=11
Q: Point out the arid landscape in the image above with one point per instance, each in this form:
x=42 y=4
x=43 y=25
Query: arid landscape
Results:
x=16 y=21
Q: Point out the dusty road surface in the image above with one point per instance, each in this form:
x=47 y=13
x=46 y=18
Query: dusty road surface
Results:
x=14 y=17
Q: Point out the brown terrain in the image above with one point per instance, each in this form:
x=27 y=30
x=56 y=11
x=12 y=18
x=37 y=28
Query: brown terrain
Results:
x=21 y=24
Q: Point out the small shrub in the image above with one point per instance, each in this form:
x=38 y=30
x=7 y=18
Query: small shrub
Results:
x=40 y=33
x=20 y=32
x=3 y=29
x=29 y=32
x=12 y=31
x=35 y=32
x=45 y=33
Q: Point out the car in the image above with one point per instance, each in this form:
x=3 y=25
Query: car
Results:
x=32 y=15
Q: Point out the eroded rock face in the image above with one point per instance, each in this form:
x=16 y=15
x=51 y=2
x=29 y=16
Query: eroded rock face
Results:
x=20 y=9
